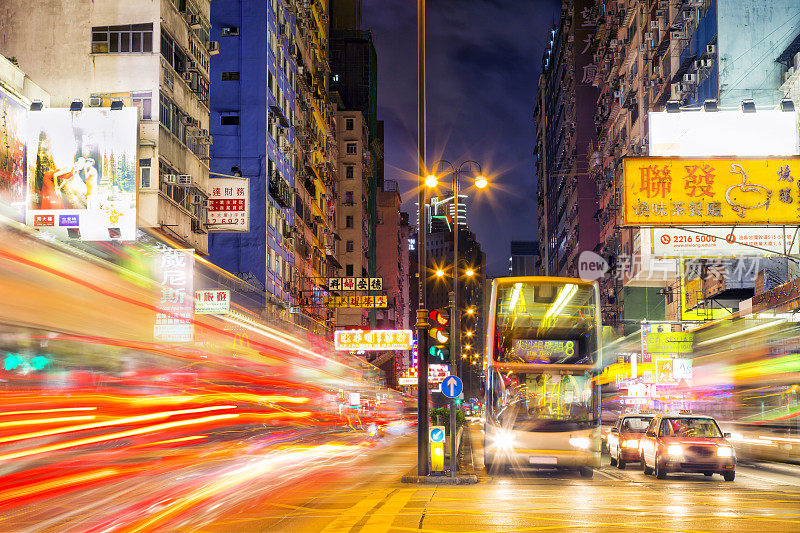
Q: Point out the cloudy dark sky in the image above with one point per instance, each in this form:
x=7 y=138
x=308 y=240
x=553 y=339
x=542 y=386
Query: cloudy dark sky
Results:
x=484 y=58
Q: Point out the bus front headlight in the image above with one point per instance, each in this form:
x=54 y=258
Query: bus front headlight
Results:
x=579 y=442
x=504 y=440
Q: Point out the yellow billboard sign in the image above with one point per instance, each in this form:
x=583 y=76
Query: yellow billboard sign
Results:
x=663 y=191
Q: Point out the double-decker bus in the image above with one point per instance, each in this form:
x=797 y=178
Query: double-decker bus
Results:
x=544 y=354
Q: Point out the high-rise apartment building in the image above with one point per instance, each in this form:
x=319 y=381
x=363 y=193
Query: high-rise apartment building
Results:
x=152 y=55
x=252 y=120
x=524 y=258
x=685 y=53
x=355 y=174
x=354 y=76
x=565 y=103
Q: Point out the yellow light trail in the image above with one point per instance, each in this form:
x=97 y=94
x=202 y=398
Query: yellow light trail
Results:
x=39 y=411
x=45 y=421
x=117 y=422
x=112 y=436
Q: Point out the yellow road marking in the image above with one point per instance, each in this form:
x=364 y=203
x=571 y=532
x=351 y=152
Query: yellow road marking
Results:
x=350 y=517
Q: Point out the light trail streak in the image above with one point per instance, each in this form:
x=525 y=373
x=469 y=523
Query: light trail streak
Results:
x=45 y=421
x=57 y=483
x=112 y=436
x=117 y=422
x=39 y=411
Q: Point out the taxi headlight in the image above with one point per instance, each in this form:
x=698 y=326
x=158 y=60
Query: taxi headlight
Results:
x=675 y=449
x=724 y=451
x=579 y=442
x=631 y=443
x=504 y=440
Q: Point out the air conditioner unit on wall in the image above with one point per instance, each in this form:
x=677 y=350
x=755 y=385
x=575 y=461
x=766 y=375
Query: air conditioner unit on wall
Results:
x=170 y=178
x=184 y=179
x=711 y=49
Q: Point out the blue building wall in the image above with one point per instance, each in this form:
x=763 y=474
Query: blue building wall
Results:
x=249 y=145
x=752 y=34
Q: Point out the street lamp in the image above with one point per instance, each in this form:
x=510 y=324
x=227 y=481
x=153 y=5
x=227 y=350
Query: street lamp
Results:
x=470 y=311
x=470 y=273
x=440 y=273
x=480 y=182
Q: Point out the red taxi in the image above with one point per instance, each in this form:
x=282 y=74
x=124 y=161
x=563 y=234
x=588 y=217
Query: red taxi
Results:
x=686 y=443
x=623 y=438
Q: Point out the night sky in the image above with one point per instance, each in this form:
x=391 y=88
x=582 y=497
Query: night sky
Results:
x=484 y=59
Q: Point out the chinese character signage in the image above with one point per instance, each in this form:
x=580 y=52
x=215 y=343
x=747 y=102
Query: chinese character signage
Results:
x=212 y=302
x=81 y=171
x=332 y=302
x=174 y=276
x=718 y=191
x=357 y=340
x=355 y=284
x=12 y=156
x=229 y=205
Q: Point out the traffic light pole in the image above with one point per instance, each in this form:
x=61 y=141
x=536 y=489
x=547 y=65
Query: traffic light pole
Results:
x=455 y=315
x=422 y=313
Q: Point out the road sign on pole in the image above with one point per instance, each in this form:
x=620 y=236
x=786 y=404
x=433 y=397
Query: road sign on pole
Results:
x=436 y=439
x=452 y=386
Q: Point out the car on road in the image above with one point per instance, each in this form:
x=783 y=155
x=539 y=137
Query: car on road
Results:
x=686 y=443
x=623 y=438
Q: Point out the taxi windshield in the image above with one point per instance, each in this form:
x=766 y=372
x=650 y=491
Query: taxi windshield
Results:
x=635 y=424
x=689 y=427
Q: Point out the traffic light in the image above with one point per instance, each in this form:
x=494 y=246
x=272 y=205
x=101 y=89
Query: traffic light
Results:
x=439 y=353
x=440 y=319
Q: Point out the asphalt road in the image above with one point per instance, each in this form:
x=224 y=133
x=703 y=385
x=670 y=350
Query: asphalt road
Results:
x=357 y=489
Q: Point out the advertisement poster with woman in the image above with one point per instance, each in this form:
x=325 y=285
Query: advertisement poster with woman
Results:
x=12 y=157
x=82 y=173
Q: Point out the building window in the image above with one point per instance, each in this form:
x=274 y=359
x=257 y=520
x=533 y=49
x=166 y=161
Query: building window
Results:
x=348 y=270
x=349 y=172
x=144 y=101
x=349 y=124
x=144 y=173
x=229 y=120
x=352 y=149
x=350 y=246
x=230 y=76
x=348 y=221
x=127 y=39
x=348 y=198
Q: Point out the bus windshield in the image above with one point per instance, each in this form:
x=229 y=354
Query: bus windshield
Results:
x=532 y=397
x=546 y=322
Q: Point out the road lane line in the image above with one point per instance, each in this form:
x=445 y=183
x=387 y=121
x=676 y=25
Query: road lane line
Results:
x=383 y=517
x=351 y=516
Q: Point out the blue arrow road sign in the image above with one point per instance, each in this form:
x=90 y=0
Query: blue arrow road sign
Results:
x=437 y=435
x=452 y=386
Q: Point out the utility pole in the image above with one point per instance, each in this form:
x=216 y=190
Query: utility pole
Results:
x=422 y=312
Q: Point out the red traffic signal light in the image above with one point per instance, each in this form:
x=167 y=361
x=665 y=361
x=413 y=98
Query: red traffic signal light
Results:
x=440 y=317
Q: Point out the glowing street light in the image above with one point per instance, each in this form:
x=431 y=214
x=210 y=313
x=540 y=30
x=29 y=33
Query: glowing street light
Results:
x=470 y=311
x=481 y=181
x=470 y=273
x=431 y=180
x=440 y=273
x=468 y=334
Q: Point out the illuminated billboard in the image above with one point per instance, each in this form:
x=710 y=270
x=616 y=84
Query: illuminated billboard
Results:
x=723 y=133
x=700 y=241
x=357 y=340
x=81 y=172
x=711 y=191
x=12 y=156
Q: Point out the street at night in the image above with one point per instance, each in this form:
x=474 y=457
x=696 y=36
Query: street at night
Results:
x=393 y=265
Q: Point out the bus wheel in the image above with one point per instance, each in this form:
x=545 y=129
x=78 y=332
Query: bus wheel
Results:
x=586 y=472
x=613 y=461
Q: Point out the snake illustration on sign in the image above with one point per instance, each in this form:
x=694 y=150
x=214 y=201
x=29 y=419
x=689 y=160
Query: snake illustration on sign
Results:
x=745 y=187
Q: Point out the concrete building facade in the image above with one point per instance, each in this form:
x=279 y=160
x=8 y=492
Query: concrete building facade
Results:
x=254 y=72
x=152 y=55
